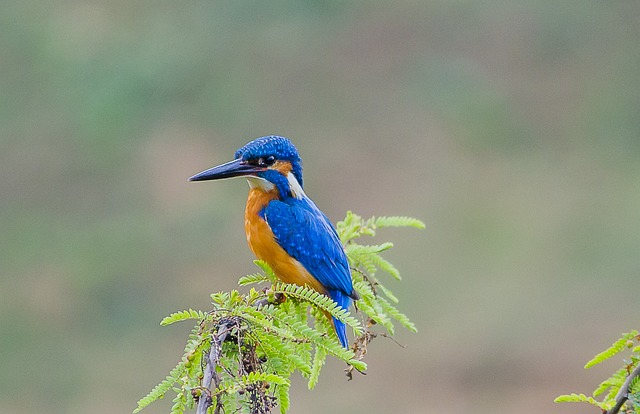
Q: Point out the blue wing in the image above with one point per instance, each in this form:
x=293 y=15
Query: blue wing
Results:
x=307 y=235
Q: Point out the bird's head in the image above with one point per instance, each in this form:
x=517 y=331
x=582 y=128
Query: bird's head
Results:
x=268 y=162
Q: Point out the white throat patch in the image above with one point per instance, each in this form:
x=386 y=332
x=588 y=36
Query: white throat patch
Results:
x=261 y=183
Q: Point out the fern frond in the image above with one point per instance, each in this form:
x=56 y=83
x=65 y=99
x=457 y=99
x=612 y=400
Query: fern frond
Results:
x=303 y=331
x=253 y=278
x=318 y=299
x=364 y=289
x=183 y=316
x=615 y=348
x=220 y=299
x=371 y=305
x=367 y=249
x=398 y=221
x=318 y=362
x=264 y=319
x=179 y=404
x=283 y=398
x=634 y=386
x=352 y=227
x=287 y=351
x=581 y=398
x=369 y=258
x=614 y=382
x=387 y=293
x=359 y=256
x=397 y=315
x=385 y=265
x=269 y=273
x=374 y=311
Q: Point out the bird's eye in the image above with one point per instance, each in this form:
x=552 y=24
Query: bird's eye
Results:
x=266 y=161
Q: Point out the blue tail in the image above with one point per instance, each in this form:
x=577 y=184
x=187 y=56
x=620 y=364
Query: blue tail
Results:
x=341 y=330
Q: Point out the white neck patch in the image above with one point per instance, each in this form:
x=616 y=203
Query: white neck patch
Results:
x=294 y=185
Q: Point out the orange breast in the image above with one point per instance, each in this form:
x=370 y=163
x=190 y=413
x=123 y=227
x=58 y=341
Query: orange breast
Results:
x=264 y=245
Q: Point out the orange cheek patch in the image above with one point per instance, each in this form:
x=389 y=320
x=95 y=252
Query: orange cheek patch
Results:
x=283 y=167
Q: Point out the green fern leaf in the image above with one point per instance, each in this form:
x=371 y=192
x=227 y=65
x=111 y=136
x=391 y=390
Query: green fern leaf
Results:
x=269 y=273
x=301 y=330
x=579 y=398
x=634 y=387
x=387 y=293
x=288 y=353
x=283 y=398
x=183 y=316
x=375 y=312
x=364 y=289
x=614 y=382
x=398 y=221
x=264 y=319
x=253 y=278
x=359 y=256
x=322 y=301
x=358 y=365
x=368 y=257
x=179 y=405
x=318 y=362
x=615 y=348
x=397 y=315
x=369 y=249
x=385 y=265
x=352 y=227
x=372 y=306
x=220 y=299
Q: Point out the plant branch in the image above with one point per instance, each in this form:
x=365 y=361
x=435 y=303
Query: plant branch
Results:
x=211 y=363
x=623 y=393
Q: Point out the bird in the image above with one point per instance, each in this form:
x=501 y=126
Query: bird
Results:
x=284 y=227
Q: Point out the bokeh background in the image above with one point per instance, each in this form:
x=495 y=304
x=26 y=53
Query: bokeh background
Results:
x=512 y=129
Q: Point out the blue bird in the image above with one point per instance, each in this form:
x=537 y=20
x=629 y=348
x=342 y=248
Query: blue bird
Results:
x=283 y=226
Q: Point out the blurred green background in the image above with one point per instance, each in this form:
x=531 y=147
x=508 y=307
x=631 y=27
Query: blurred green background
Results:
x=512 y=129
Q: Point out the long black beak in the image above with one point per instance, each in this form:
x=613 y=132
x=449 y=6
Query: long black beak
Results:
x=234 y=168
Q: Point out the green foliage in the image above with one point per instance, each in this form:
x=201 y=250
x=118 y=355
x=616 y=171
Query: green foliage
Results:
x=253 y=342
x=353 y=226
x=183 y=316
x=580 y=398
x=267 y=276
x=623 y=386
x=614 y=349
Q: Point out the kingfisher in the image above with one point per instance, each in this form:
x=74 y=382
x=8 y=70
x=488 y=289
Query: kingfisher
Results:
x=283 y=226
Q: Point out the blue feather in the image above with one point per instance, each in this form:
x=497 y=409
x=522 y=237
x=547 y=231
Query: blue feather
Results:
x=307 y=235
x=344 y=302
